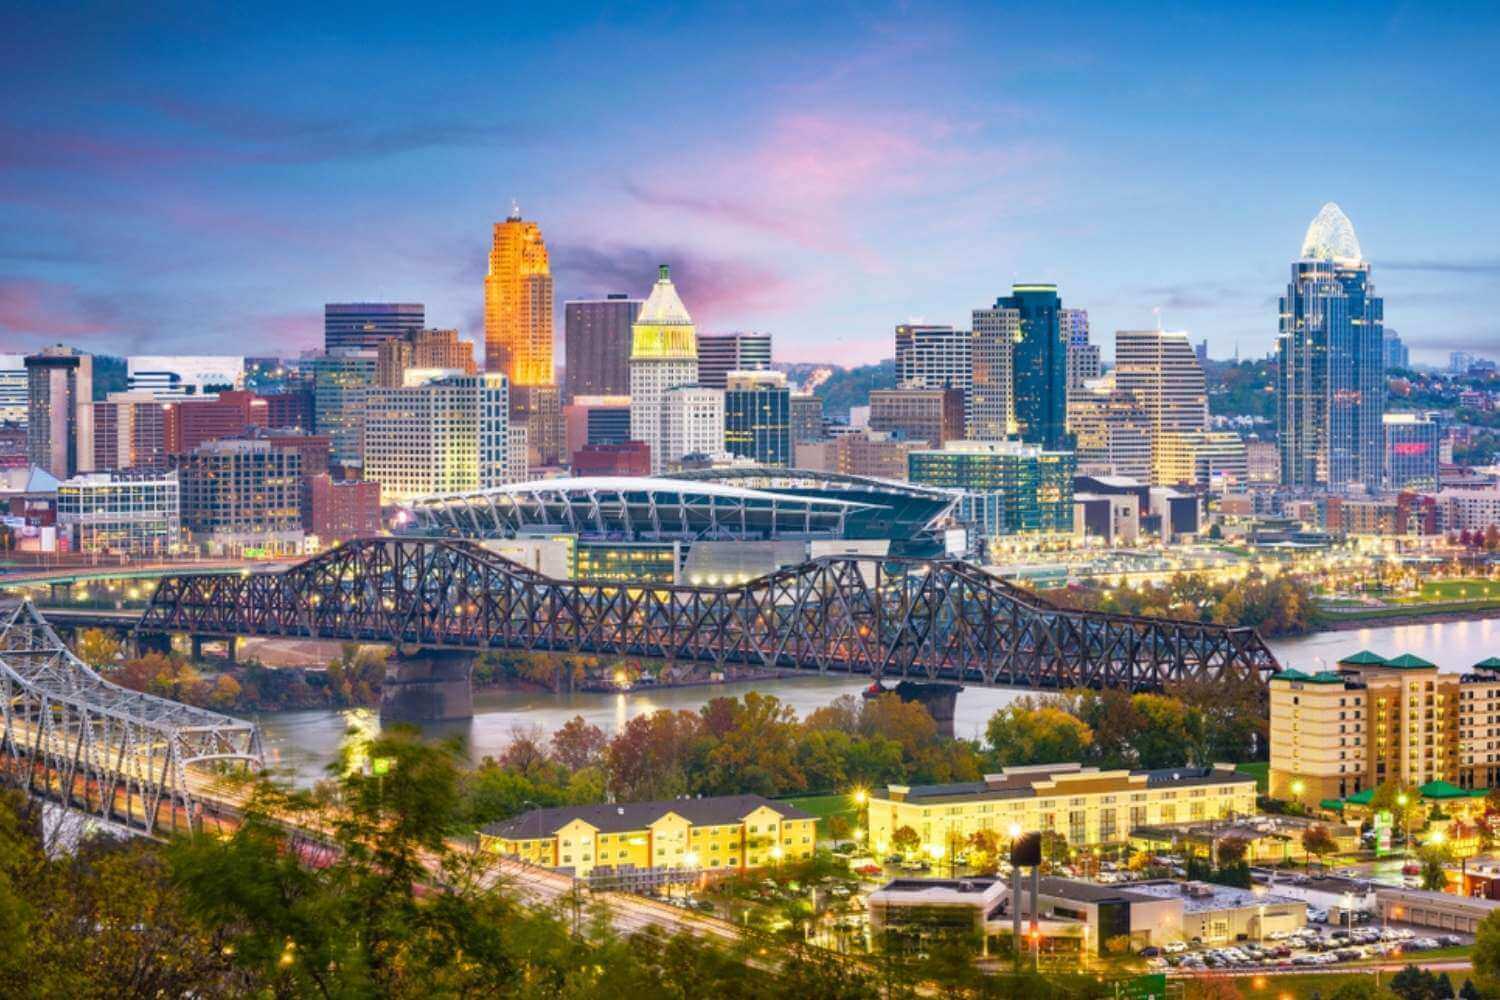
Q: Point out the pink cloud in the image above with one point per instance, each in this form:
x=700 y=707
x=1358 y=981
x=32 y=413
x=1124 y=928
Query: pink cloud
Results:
x=34 y=308
x=288 y=332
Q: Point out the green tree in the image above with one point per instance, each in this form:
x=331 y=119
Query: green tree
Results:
x=1486 y=954
x=1170 y=733
x=1026 y=733
x=1435 y=859
x=905 y=841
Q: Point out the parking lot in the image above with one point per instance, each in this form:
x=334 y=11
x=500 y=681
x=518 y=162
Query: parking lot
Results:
x=1310 y=947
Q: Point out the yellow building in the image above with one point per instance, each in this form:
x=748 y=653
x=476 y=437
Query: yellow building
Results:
x=518 y=304
x=730 y=832
x=1339 y=733
x=1089 y=807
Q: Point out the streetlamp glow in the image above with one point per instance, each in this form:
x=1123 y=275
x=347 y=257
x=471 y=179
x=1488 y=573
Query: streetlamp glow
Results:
x=860 y=796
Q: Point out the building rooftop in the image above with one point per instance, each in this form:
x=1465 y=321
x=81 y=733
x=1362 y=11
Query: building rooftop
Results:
x=1200 y=896
x=621 y=817
x=1031 y=782
x=1089 y=892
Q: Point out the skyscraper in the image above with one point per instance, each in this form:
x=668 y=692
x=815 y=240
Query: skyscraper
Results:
x=13 y=397
x=1396 y=353
x=445 y=436
x=366 y=324
x=758 y=417
x=663 y=355
x=596 y=345
x=518 y=304
x=1160 y=370
x=1330 y=397
x=60 y=411
x=722 y=353
x=991 y=409
x=340 y=380
x=934 y=357
x=1039 y=365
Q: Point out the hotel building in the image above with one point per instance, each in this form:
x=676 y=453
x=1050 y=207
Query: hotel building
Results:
x=1088 y=806
x=731 y=832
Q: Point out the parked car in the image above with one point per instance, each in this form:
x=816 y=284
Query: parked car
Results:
x=1150 y=951
x=1175 y=947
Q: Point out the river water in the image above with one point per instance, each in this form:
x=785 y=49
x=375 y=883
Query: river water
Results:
x=303 y=744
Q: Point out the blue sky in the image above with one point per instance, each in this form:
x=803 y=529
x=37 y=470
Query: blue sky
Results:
x=179 y=180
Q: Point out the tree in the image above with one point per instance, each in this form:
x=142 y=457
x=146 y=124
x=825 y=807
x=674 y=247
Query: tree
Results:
x=1170 y=734
x=226 y=692
x=1361 y=988
x=579 y=744
x=1486 y=954
x=649 y=757
x=905 y=840
x=1024 y=733
x=838 y=827
x=985 y=852
x=1435 y=859
x=756 y=749
x=1232 y=850
x=1317 y=841
x=97 y=648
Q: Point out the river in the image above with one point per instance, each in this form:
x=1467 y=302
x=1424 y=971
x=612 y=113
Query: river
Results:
x=303 y=744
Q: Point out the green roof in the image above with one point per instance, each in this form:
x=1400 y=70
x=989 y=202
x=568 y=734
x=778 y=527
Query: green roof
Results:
x=1364 y=658
x=1407 y=661
x=1321 y=677
x=1361 y=798
x=1289 y=675
x=1334 y=804
x=1490 y=663
x=1442 y=790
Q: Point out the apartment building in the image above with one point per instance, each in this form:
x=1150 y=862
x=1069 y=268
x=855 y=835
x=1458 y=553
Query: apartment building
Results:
x=1088 y=806
x=730 y=832
x=1339 y=733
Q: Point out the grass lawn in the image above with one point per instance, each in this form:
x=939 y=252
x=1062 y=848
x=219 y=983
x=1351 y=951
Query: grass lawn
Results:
x=825 y=807
x=1274 y=986
x=1262 y=771
x=1459 y=590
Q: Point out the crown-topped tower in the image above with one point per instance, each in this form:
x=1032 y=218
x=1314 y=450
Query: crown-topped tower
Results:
x=663 y=356
x=663 y=329
x=1330 y=236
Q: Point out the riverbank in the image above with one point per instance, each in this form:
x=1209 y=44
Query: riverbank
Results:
x=1344 y=621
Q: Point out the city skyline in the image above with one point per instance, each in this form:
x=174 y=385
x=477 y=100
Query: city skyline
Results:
x=170 y=185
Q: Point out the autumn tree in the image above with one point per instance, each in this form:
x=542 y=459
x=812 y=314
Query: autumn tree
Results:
x=578 y=744
x=97 y=648
x=1026 y=733
x=649 y=757
x=1317 y=841
x=755 y=750
x=905 y=840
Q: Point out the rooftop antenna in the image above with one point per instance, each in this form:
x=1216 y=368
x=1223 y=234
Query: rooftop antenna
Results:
x=515 y=210
x=1157 y=311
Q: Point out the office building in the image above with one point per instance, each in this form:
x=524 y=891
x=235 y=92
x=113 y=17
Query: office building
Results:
x=195 y=421
x=1330 y=390
x=60 y=411
x=446 y=436
x=1412 y=443
x=423 y=350
x=807 y=417
x=723 y=833
x=1039 y=374
x=1338 y=734
x=595 y=420
x=518 y=304
x=991 y=414
x=538 y=408
x=120 y=513
x=757 y=417
x=663 y=355
x=935 y=357
x=363 y=325
x=1263 y=462
x=866 y=453
x=172 y=377
x=1160 y=371
x=1083 y=365
x=290 y=408
x=692 y=424
x=934 y=416
x=242 y=496
x=596 y=345
x=338 y=511
x=1112 y=434
x=131 y=430
x=14 y=399
x=340 y=380
x=1089 y=806
x=626 y=458
x=517 y=455
x=908 y=915
x=722 y=353
x=1211 y=459
x=1468 y=509
x=1009 y=487
x=1397 y=354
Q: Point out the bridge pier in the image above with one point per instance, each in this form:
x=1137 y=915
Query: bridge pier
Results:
x=153 y=642
x=940 y=699
x=428 y=686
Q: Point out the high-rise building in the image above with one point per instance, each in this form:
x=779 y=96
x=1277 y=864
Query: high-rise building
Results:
x=1083 y=365
x=625 y=458
x=292 y=408
x=136 y=515
x=692 y=424
x=1010 y=487
x=663 y=355
x=447 y=436
x=807 y=417
x=13 y=396
x=184 y=376
x=425 y=349
x=875 y=454
x=538 y=408
x=1039 y=373
x=340 y=380
x=518 y=304
x=934 y=357
x=1112 y=434
x=243 y=494
x=230 y=414
x=991 y=409
x=60 y=411
x=758 y=417
x=722 y=353
x=131 y=431
x=596 y=345
x=1159 y=369
x=339 y=511
x=1396 y=353
x=1202 y=458
x=935 y=416
x=1330 y=378
x=348 y=325
x=1075 y=326
x=1411 y=451
x=1263 y=462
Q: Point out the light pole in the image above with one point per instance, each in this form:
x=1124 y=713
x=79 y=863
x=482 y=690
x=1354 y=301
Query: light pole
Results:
x=1401 y=800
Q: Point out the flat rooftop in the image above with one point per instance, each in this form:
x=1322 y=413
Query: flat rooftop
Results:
x=1209 y=896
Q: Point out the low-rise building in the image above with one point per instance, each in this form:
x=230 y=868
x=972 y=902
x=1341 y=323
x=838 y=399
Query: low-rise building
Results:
x=908 y=913
x=138 y=514
x=1088 y=806
x=728 y=833
x=1218 y=913
x=339 y=511
x=1264 y=839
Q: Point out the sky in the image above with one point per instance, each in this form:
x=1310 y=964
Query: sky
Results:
x=179 y=179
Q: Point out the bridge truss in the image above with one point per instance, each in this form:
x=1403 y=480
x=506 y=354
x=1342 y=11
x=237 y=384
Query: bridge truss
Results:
x=136 y=759
x=940 y=620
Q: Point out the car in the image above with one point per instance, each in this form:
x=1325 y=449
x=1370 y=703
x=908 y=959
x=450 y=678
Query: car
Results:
x=1451 y=940
x=1175 y=947
x=1151 y=951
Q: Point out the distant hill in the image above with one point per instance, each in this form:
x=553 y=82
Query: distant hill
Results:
x=843 y=387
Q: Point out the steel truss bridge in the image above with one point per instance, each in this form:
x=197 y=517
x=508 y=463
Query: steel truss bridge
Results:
x=935 y=621
x=150 y=764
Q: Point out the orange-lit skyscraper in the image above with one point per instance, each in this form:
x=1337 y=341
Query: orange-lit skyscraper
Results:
x=518 y=304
